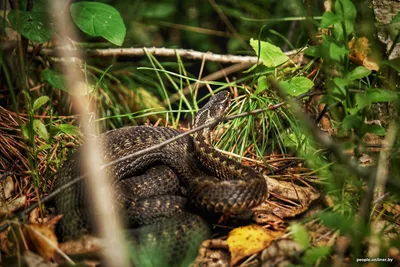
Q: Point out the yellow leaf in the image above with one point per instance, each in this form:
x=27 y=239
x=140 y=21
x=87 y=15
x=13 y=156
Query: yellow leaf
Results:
x=247 y=240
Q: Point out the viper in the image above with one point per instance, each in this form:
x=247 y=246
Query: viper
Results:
x=161 y=194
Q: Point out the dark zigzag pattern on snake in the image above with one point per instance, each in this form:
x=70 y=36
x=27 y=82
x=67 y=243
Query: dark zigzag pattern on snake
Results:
x=157 y=192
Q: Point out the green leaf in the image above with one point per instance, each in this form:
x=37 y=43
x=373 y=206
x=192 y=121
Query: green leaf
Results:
x=328 y=19
x=346 y=11
x=362 y=101
x=27 y=131
x=296 y=86
x=40 y=102
x=40 y=129
x=98 y=19
x=313 y=255
x=300 y=235
x=394 y=27
x=270 y=55
x=35 y=26
x=262 y=85
x=314 y=51
x=351 y=121
x=337 y=53
x=68 y=129
x=381 y=95
x=358 y=73
x=55 y=79
x=340 y=87
x=375 y=129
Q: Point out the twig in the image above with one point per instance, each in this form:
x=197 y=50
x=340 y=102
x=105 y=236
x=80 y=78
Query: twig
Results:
x=164 y=52
x=212 y=77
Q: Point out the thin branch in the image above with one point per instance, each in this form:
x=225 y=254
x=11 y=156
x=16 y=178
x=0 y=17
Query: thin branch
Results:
x=211 y=77
x=163 y=52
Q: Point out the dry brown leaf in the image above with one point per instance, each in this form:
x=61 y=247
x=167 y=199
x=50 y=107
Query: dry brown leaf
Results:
x=371 y=65
x=289 y=199
x=247 y=240
x=11 y=206
x=359 y=53
x=5 y=243
x=85 y=244
x=213 y=252
x=41 y=239
x=280 y=252
x=7 y=187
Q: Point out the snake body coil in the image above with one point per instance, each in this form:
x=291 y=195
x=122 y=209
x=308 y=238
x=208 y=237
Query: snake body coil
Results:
x=157 y=192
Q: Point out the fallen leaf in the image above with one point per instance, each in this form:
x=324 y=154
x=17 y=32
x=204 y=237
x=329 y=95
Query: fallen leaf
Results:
x=41 y=239
x=212 y=252
x=247 y=240
x=280 y=253
x=7 y=187
x=5 y=243
x=6 y=207
x=359 y=53
x=85 y=244
x=287 y=199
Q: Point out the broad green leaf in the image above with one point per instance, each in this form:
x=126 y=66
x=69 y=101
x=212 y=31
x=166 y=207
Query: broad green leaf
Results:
x=346 y=11
x=98 y=19
x=262 y=85
x=270 y=55
x=35 y=26
x=296 y=86
x=55 y=79
x=358 y=73
x=314 y=51
x=337 y=53
x=68 y=129
x=351 y=121
x=26 y=131
x=375 y=129
x=338 y=31
x=381 y=95
x=300 y=235
x=328 y=19
x=339 y=88
x=394 y=27
x=313 y=255
x=40 y=102
x=362 y=101
x=40 y=129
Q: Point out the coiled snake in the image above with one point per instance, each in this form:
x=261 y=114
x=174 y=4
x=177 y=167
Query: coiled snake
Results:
x=159 y=193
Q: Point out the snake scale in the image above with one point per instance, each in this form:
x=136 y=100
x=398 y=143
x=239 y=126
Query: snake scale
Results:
x=159 y=193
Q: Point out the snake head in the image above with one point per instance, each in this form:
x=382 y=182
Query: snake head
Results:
x=215 y=108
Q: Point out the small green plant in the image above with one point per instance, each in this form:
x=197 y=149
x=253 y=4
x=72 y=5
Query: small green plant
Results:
x=351 y=87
